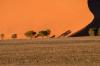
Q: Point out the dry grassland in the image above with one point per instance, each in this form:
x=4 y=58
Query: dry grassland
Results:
x=52 y=52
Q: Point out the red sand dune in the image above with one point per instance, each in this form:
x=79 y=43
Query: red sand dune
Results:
x=19 y=16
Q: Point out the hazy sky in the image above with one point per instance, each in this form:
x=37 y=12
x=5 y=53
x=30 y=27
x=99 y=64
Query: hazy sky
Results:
x=19 y=16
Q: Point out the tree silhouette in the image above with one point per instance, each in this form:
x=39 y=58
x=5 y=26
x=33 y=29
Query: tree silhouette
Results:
x=44 y=33
x=14 y=36
x=2 y=36
x=30 y=34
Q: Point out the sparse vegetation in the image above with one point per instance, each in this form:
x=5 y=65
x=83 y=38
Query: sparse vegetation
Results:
x=91 y=32
x=30 y=34
x=94 y=32
x=44 y=33
x=2 y=36
x=14 y=36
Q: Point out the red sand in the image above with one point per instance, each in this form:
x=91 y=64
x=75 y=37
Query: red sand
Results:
x=19 y=16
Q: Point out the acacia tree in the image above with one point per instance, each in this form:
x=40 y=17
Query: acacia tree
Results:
x=14 y=36
x=2 y=36
x=44 y=33
x=30 y=34
x=41 y=33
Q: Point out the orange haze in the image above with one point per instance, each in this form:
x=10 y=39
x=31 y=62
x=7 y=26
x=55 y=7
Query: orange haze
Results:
x=19 y=16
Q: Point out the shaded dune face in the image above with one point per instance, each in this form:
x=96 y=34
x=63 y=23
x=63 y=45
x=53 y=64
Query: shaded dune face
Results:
x=19 y=16
x=94 y=6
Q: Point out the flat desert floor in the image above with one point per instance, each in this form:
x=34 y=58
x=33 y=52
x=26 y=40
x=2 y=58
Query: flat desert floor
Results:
x=76 y=51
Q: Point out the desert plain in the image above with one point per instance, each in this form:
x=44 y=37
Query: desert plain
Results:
x=69 y=51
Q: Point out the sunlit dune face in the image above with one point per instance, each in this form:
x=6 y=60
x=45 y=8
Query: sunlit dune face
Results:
x=19 y=16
